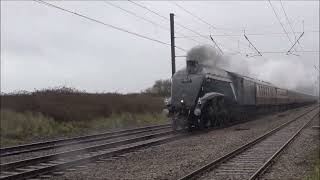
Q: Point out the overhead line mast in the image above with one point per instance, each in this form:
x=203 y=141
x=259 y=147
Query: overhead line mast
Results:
x=173 y=52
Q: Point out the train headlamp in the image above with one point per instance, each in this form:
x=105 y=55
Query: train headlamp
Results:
x=182 y=101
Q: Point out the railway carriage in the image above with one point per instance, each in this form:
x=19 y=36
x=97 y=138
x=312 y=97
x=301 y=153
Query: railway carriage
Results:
x=203 y=96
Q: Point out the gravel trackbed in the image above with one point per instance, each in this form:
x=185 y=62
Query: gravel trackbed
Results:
x=177 y=158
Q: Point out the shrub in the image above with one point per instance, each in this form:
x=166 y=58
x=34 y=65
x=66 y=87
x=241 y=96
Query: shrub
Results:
x=20 y=127
x=67 y=104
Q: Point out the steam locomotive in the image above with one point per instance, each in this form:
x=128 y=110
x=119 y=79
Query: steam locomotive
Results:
x=203 y=97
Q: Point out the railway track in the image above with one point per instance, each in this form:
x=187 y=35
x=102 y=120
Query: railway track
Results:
x=54 y=144
x=40 y=165
x=252 y=159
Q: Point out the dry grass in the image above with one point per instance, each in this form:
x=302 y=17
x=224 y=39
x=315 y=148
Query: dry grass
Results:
x=17 y=128
x=67 y=104
x=63 y=111
x=315 y=175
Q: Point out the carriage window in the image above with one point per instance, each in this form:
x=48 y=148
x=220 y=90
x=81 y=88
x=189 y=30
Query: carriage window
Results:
x=266 y=91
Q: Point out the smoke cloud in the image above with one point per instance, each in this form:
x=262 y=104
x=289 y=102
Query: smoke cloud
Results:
x=205 y=55
x=284 y=73
x=209 y=56
x=287 y=73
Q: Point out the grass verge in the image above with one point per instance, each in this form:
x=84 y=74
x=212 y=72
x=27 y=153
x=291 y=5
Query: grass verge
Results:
x=315 y=175
x=17 y=128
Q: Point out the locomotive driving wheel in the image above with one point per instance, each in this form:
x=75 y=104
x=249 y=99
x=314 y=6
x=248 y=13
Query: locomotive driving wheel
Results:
x=207 y=117
x=204 y=121
x=179 y=122
x=221 y=115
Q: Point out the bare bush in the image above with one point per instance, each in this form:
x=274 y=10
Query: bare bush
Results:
x=69 y=104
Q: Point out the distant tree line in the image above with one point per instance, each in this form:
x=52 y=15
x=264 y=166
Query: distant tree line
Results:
x=70 y=104
x=160 y=87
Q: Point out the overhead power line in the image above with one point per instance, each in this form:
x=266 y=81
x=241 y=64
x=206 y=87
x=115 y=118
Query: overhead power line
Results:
x=167 y=19
x=195 y=31
x=163 y=17
x=103 y=23
x=150 y=21
x=295 y=37
x=205 y=37
x=146 y=8
x=285 y=52
x=185 y=10
x=297 y=41
x=251 y=34
x=203 y=21
x=136 y=15
x=277 y=17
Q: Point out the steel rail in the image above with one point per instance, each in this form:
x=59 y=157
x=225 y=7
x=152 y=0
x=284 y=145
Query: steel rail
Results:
x=45 y=145
x=52 y=166
x=16 y=164
x=196 y=173
x=269 y=162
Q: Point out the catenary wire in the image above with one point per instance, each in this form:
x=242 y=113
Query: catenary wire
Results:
x=105 y=24
x=150 y=21
x=252 y=34
x=206 y=37
x=200 y=19
x=278 y=18
x=288 y=20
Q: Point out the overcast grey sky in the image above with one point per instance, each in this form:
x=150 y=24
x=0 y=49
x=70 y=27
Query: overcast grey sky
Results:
x=44 y=47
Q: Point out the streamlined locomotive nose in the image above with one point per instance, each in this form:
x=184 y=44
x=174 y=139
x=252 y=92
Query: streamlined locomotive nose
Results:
x=185 y=89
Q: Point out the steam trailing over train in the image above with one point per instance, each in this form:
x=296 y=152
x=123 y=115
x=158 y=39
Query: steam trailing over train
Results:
x=204 y=95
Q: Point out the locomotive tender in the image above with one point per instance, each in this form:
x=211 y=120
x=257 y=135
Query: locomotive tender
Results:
x=203 y=96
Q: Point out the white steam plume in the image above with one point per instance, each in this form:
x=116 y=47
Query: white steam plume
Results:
x=285 y=73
